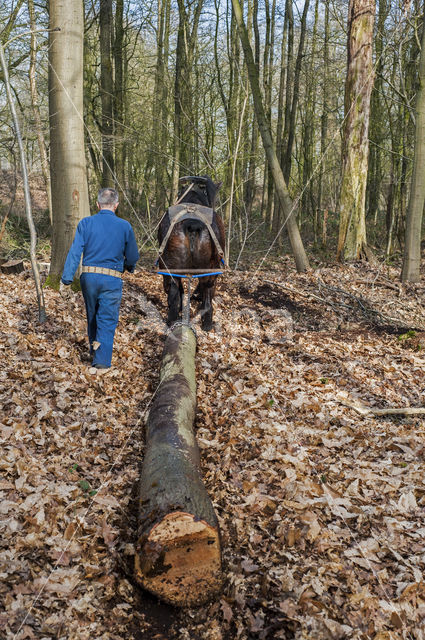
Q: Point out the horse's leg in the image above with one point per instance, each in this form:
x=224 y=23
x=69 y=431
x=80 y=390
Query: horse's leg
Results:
x=174 y=302
x=208 y=290
x=181 y=291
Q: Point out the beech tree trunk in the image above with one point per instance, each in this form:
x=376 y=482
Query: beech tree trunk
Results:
x=300 y=255
x=178 y=554
x=70 y=200
x=352 y=243
x=412 y=247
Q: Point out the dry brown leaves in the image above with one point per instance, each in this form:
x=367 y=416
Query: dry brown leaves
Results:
x=321 y=509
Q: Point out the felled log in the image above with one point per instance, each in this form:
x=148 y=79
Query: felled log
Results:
x=178 y=555
x=13 y=266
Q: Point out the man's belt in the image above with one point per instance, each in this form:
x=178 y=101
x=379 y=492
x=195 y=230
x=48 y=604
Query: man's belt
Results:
x=103 y=270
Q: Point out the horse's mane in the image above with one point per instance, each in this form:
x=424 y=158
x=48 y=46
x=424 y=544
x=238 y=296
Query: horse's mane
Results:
x=203 y=192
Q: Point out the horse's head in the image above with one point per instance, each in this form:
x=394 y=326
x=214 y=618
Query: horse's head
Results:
x=203 y=190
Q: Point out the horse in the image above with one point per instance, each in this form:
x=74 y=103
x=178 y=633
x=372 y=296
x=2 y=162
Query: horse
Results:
x=191 y=246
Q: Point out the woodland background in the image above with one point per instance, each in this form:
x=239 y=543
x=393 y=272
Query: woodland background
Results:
x=320 y=497
x=166 y=93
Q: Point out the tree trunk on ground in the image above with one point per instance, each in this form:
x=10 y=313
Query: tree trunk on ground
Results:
x=70 y=199
x=106 y=92
x=178 y=554
x=300 y=256
x=352 y=243
x=412 y=247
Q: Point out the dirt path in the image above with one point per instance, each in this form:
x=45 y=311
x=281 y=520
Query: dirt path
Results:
x=321 y=509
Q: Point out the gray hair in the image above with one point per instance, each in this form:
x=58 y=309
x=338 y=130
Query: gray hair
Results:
x=107 y=196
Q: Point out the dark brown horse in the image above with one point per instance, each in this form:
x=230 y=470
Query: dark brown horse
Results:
x=191 y=246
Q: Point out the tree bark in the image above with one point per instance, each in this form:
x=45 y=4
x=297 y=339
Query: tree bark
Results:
x=36 y=110
x=352 y=243
x=178 y=554
x=106 y=93
x=189 y=16
x=119 y=91
x=325 y=109
x=70 y=199
x=290 y=125
x=300 y=256
x=280 y=116
x=378 y=129
x=27 y=196
x=412 y=247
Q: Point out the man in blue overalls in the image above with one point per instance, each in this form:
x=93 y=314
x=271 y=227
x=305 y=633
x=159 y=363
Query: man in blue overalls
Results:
x=109 y=247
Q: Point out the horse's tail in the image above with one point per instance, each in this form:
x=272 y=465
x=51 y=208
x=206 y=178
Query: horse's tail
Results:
x=193 y=229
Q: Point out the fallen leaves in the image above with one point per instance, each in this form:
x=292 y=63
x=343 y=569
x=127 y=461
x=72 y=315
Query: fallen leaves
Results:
x=320 y=508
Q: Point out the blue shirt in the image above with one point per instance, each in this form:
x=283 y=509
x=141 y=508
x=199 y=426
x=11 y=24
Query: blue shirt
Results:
x=105 y=241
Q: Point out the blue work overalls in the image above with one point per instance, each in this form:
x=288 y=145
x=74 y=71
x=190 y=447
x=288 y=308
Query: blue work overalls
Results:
x=105 y=241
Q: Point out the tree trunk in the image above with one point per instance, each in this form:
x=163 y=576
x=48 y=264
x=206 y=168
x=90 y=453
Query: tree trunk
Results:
x=358 y=87
x=106 y=92
x=290 y=126
x=70 y=199
x=36 y=110
x=308 y=207
x=27 y=197
x=189 y=16
x=300 y=256
x=119 y=91
x=178 y=553
x=280 y=117
x=160 y=104
x=378 y=128
x=325 y=109
x=412 y=247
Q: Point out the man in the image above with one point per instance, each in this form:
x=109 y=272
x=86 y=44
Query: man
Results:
x=109 y=247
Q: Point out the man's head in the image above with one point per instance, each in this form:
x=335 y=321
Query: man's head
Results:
x=107 y=198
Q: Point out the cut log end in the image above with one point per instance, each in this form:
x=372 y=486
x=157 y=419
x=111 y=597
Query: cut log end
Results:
x=180 y=560
x=13 y=266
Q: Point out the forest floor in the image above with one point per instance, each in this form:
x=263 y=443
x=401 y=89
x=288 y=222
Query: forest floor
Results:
x=320 y=503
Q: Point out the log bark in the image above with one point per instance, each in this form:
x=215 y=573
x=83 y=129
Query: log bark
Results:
x=178 y=555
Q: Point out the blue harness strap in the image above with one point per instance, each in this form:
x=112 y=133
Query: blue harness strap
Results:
x=182 y=275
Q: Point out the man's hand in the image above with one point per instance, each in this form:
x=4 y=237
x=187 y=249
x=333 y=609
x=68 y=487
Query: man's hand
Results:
x=65 y=290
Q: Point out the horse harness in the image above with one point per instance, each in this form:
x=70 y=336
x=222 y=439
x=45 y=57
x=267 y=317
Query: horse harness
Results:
x=188 y=211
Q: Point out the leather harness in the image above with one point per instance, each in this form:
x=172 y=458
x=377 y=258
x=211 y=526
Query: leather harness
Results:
x=188 y=211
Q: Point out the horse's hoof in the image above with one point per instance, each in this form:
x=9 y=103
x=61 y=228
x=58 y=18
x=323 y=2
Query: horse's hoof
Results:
x=207 y=326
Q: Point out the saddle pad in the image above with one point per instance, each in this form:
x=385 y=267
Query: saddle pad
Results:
x=191 y=212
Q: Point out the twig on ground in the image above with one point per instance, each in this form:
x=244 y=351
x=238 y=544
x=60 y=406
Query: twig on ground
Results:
x=388 y=411
x=372 y=315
